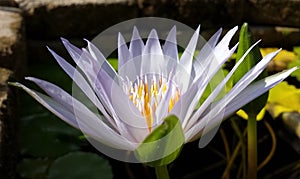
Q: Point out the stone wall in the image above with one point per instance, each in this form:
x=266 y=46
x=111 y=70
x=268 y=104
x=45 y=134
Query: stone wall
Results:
x=56 y=18
x=12 y=66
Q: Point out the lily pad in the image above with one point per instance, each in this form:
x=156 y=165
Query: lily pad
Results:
x=283 y=98
x=44 y=135
x=33 y=168
x=78 y=165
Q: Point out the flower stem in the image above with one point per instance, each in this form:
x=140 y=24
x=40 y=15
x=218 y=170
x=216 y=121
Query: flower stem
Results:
x=162 y=172
x=252 y=147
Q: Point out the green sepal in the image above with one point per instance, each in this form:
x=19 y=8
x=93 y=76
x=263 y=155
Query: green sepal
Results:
x=163 y=145
x=254 y=56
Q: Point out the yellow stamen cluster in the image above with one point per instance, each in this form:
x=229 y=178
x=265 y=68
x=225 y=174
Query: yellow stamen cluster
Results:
x=147 y=92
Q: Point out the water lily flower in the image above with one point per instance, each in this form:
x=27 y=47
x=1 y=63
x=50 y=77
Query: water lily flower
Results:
x=152 y=82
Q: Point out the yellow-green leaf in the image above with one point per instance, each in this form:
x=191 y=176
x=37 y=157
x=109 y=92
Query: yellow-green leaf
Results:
x=281 y=61
x=283 y=98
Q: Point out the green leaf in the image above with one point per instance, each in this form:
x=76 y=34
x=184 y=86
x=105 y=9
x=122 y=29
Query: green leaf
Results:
x=113 y=62
x=33 y=168
x=296 y=62
x=43 y=135
x=245 y=41
x=163 y=145
x=297 y=50
x=78 y=165
x=283 y=98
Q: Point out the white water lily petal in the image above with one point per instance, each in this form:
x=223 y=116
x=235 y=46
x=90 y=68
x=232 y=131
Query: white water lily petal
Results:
x=186 y=104
x=205 y=52
x=100 y=60
x=251 y=92
x=80 y=82
x=125 y=68
x=171 y=52
x=66 y=100
x=51 y=105
x=136 y=49
x=170 y=46
x=220 y=54
x=163 y=107
x=123 y=106
x=248 y=94
x=181 y=107
x=153 y=58
x=241 y=85
x=187 y=57
x=136 y=44
x=216 y=91
x=91 y=70
x=186 y=62
x=98 y=130
x=74 y=52
x=222 y=47
x=201 y=83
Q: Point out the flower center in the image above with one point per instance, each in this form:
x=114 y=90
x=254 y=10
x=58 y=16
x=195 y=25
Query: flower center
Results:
x=148 y=91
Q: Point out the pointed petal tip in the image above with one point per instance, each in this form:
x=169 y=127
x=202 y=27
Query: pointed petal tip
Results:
x=63 y=40
x=135 y=33
x=30 y=78
x=135 y=30
x=198 y=28
x=121 y=40
x=173 y=28
x=87 y=41
x=50 y=50
x=27 y=77
x=153 y=34
x=277 y=51
x=232 y=31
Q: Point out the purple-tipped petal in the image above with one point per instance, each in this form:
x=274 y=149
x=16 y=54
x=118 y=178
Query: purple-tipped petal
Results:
x=183 y=104
x=222 y=47
x=65 y=99
x=100 y=60
x=256 y=89
x=90 y=124
x=248 y=94
x=53 y=106
x=152 y=57
x=126 y=64
x=74 y=52
x=123 y=106
x=186 y=61
x=163 y=107
x=170 y=47
x=218 y=108
x=136 y=49
x=123 y=52
x=217 y=90
x=205 y=52
x=136 y=44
